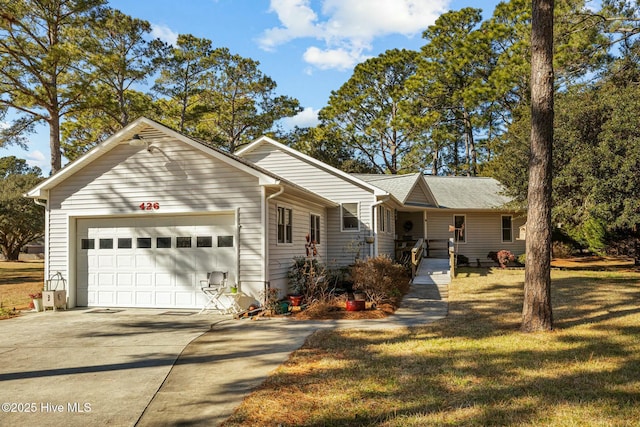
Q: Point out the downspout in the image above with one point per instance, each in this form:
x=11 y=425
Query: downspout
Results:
x=39 y=203
x=373 y=249
x=265 y=241
x=238 y=227
x=46 y=234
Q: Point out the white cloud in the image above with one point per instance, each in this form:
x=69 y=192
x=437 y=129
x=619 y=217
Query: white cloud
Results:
x=164 y=33
x=298 y=20
x=347 y=28
x=333 y=58
x=37 y=158
x=306 y=118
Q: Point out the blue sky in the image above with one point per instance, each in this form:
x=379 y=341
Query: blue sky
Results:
x=309 y=47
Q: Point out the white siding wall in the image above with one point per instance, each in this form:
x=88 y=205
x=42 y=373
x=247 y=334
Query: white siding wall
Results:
x=330 y=186
x=483 y=233
x=178 y=177
x=281 y=255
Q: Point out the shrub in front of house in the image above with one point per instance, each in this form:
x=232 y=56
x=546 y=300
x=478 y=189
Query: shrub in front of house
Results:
x=381 y=279
x=311 y=279
x=502 y=257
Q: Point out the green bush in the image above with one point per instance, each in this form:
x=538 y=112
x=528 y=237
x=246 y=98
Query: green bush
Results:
x=595 y=235
x=522 y=258
x=380 y=279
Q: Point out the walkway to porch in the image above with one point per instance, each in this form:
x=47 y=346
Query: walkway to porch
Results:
x=433 y=271
x=427 y=299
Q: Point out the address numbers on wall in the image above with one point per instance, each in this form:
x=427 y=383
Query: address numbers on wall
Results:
x=149 y=206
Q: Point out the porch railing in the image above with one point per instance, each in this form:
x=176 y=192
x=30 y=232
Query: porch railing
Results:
x=416 y=256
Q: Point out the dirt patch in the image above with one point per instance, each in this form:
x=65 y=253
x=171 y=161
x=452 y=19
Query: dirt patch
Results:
x=338 y=311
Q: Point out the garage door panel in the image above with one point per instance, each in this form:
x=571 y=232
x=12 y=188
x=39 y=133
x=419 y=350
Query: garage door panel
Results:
x=124 y=279
x=124 y=298
x=185 y=299
x=106 y=261
x=92 y=298
x=165 y=262
x=151 y=261
x=186 y=263
x=105 y=279
x=145 y=261
x=143 y=299
x=106 y=297
x=125 y=260
x=91 y=261
x=164 y=280
x=144 y=280
x=164 y=299
x=187 y=280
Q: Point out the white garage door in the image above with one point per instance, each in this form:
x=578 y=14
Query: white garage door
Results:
x=151 y=261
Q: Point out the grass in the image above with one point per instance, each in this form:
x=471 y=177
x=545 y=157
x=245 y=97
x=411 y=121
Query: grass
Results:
x=474 y=368
x=17 y=281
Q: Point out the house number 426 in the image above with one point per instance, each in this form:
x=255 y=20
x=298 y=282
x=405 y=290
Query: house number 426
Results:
x=149 y=206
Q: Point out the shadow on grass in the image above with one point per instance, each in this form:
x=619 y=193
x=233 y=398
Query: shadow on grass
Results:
x=475 y=367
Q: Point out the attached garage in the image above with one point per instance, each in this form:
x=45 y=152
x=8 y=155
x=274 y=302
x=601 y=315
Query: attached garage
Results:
x=141 y=225
x=151 y=261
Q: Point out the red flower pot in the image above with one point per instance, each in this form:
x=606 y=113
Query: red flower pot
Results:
x=355 y=305
x=296 y=300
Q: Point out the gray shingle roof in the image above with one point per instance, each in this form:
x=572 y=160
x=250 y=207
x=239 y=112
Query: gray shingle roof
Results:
x=450 y=192
x=399 y=186
x=460 y=192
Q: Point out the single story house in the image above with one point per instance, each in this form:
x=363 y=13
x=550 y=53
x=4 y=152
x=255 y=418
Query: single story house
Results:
x=140 y=219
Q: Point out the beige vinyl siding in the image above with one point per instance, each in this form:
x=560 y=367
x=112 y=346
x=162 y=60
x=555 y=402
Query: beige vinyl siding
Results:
x=483 y=233
x=181 y=179
x=330 y=186
x=281 y=254
x=419 y=196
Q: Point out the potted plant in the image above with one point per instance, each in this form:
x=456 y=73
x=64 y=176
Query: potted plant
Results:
x=297 y=280
x=36 y=299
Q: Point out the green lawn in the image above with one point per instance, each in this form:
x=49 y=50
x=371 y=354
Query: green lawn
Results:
x=474 y=368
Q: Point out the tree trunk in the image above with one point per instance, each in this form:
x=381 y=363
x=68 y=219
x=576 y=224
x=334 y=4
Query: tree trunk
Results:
x=536 y=312
x=54 y=141
x=470 y=146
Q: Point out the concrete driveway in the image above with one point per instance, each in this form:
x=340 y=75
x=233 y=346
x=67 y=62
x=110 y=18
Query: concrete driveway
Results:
x=143 y=367
x=89 y=367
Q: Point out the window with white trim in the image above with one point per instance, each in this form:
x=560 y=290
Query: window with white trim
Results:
x=460 y=233
x=389 y=220
x=381 y=219
x=314 y=228
x=285 y=225
x=507 y=228
x=384 y=219
x=349 y=214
